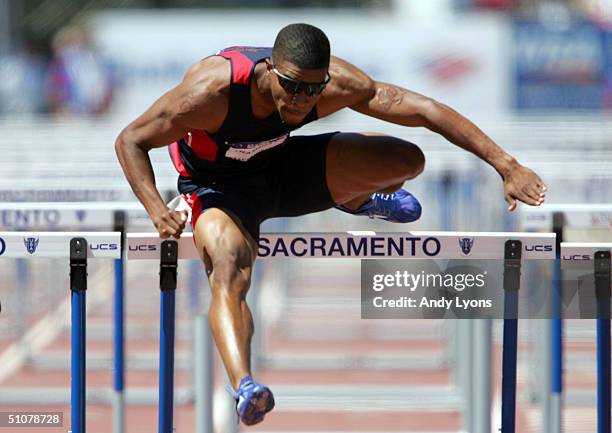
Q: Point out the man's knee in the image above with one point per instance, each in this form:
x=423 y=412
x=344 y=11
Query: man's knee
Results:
x=404 y=160
x=228 y=279
x=228 y=256
x=230 y=269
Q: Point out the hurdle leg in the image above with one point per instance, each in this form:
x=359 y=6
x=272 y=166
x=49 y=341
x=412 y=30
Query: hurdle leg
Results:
x=553 y=357
x=168 y=265
x=78 y=287
x=481 y=376
x=556 y=359
x=556 y=382
x=512 y=273
x=556 y=370
x=509 y=376
x=603 y=374
x=603 y=294
x=203 y=375
x=119 y=338
x=556 y=353
x=119 y=350
x=465 y=367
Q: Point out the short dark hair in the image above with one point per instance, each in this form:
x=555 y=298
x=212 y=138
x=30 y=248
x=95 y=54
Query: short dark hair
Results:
x=303 y=45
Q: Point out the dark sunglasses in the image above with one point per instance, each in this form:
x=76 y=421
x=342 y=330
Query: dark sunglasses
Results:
x=295 y=87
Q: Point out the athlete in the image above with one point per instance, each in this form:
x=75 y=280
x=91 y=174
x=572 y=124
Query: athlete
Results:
x=228 y=125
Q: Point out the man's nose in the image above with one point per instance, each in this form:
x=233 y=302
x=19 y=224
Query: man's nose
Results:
x=303 y=99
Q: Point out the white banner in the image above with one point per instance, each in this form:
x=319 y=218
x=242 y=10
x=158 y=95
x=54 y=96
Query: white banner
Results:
x=29 y=245
x=433 y=245
x=461 y=62
x=54 y=216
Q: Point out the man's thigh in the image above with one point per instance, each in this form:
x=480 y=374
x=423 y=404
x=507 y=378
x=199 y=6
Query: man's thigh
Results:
x=298 y=176
x=360 y=163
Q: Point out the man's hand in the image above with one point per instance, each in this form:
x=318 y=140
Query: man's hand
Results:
x=521 y=183
x=169 y=222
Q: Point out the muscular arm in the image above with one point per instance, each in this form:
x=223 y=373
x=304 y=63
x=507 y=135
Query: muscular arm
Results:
x=196 y=103
x=354 y=89
x=403 y=107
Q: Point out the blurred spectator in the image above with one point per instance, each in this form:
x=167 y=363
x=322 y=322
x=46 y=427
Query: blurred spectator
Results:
x=22 y=84
x=79 y=80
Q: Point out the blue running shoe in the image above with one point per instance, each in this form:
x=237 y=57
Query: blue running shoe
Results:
x=253 y=401
x=397 y=207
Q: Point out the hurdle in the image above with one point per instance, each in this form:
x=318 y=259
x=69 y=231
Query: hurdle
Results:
x=507 y=246
x=558 y=218
x=597 y=257
x=78 y=247
x=88 y=216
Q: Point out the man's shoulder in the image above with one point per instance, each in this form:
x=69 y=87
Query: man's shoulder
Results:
x=348 y=86
x=210 y=76
x=347 y=78
x=203 y=95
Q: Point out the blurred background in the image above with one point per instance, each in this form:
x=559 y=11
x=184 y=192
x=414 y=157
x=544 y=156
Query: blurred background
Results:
x=536 y=75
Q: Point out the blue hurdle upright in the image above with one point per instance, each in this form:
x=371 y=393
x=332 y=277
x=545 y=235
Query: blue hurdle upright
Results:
x=119 y=224
x=78 y=287
x=167 y=285
x=602 y=293
x=599 y=255
x=512 y=277
x=560 y=217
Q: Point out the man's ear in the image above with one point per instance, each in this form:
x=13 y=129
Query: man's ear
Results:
x=268 y=65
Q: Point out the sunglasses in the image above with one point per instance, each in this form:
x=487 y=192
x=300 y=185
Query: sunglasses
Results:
x=295 y=87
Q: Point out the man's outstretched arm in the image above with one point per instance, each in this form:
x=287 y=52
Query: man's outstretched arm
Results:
x=400 y=106
x=403 y=107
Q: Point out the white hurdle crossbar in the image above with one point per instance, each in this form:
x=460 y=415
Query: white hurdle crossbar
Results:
x=78 y=247
x=576 y=216
x=364 y=244
x=368 y=244
x=28 y=245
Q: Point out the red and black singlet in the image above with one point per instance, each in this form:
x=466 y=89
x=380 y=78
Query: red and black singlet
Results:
x=243 y=144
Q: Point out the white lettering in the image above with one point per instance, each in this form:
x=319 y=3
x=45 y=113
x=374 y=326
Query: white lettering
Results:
x=245 y=151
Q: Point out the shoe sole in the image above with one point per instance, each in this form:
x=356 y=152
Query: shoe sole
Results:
x=259 y=405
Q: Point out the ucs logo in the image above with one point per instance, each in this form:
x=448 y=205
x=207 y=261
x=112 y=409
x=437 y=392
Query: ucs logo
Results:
x=539 y=248
x=142 y=247
x=31 y=244
x=95 y=247
x=576 y=257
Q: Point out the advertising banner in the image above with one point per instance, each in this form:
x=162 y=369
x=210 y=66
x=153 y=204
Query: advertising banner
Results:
x=558 y=67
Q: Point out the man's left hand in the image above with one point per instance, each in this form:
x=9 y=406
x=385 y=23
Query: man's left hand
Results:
x=523 y=184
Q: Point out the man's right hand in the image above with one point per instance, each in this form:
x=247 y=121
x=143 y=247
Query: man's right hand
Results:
x=169 y=222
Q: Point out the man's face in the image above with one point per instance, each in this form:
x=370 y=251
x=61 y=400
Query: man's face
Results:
x=285 y=79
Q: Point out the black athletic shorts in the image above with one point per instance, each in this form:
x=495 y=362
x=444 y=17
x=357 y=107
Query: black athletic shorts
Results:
x=293 y=184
